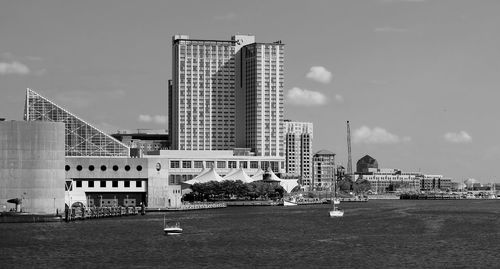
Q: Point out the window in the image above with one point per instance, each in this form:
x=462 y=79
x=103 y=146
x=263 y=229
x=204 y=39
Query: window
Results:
x=91 y=167
x=221 y=164
x=127 y=167
x=174 y=164
x=231 y=164
x=115 y=167
x=243 y=164
x=186 y=164
x=91 y=183
x=139 y=168
x=67 y=168
x=103 y=183
x=103 y=168
x=126 y=184
x=210 y=164
x=115 y=184
x=79 y=167
x=138 y=184
x=254 y=164
x=198 y=164
x=78 y=183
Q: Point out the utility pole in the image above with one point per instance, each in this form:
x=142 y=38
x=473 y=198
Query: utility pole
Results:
x=349 y=158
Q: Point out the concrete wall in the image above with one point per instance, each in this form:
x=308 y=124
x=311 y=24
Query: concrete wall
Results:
x=32 y=165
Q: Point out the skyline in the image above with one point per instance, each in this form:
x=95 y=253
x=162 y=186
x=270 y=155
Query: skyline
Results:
x=415 y=78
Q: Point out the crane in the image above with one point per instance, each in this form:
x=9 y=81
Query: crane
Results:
x=349 y=158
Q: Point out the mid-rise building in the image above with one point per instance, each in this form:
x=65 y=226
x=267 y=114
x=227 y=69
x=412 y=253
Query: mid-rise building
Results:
x=435 y=183
x=227 y=94
x=323 y=169
x=298 y=149
x=390 y=180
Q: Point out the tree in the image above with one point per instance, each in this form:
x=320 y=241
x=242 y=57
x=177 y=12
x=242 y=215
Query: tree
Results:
x=362 y=186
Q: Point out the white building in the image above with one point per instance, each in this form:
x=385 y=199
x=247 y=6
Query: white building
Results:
x=298 y=148
x=226 y=94
x=384 y=179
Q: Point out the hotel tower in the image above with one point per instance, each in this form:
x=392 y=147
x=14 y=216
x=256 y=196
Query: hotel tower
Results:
x=227 y=94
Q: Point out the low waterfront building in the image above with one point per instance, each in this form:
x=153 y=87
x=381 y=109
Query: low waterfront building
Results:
x=365 y=163
x=389 y=180
x=435 y=183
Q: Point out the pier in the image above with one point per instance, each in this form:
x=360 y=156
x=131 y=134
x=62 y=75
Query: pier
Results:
x=80 y=213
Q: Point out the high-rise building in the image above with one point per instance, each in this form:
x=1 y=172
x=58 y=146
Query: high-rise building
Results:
x=323 y=169
x=298 y=148
x=226 y=94
x=264 y=79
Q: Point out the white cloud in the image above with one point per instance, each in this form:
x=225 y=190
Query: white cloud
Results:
x=319 y=74
x=339 y=98
x=389 y=29
x=460 y=137
x=158 y=119
x=303 y=97
x=376 y=135
x=13 y=68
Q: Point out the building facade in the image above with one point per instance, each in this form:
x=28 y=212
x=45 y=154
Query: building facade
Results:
x=391 y=180
x=435 y=183
x=298 y=149
x=31 y=167
x=365 y=163
x=323 y=169
x=226 y=94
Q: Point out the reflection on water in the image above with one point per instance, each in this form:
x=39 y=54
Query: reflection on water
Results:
x=377 y=234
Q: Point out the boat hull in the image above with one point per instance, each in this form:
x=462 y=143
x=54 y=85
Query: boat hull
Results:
x=336 y=213
x=173 y=231
x=288 y=203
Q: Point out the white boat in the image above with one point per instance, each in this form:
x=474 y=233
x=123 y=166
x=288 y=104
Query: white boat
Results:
x=291 y=202
x=173 y=228
x=336 y=212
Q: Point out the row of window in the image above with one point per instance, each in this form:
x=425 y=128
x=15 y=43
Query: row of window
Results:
x=103 y=168
x=114 y=183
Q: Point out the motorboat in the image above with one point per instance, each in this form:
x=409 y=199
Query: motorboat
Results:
x=171 y=228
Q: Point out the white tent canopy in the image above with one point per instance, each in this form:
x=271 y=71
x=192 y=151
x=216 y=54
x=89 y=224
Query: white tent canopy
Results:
x=259 y=175
x=239 y=175
x=210 y=175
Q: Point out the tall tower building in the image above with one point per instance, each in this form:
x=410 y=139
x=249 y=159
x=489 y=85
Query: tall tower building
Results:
x=226 y=94
x=298 y=145
x=323 y=169
x=264 y=81
x=202 y=107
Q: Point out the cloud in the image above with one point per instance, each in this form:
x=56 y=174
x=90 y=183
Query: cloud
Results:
x=303 y=97
x=319 y=74
x=158 y=119
x=226 y=17
x=460 y=137
x=389 y=29
x=376 y=135
x=15 y=68
x=339 y=98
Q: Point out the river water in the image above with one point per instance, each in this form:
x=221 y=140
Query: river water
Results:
x=377 y=234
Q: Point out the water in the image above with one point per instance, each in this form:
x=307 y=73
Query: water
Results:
x=377 y=234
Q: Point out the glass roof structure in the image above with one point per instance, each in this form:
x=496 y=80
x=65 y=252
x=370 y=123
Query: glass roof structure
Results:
x=82 y=139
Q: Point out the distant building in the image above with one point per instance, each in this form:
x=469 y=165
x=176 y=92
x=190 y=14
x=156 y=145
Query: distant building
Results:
x=366 y=163
x=323 y=169
x=435 y=183
x=141 y=143
x=389 y=180
x=298 y=150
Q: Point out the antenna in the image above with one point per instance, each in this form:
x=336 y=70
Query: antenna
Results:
x=349 y=158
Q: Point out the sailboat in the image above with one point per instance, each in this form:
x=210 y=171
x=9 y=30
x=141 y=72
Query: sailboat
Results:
x=335 y=211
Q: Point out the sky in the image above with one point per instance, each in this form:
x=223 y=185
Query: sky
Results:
x=417 y=79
